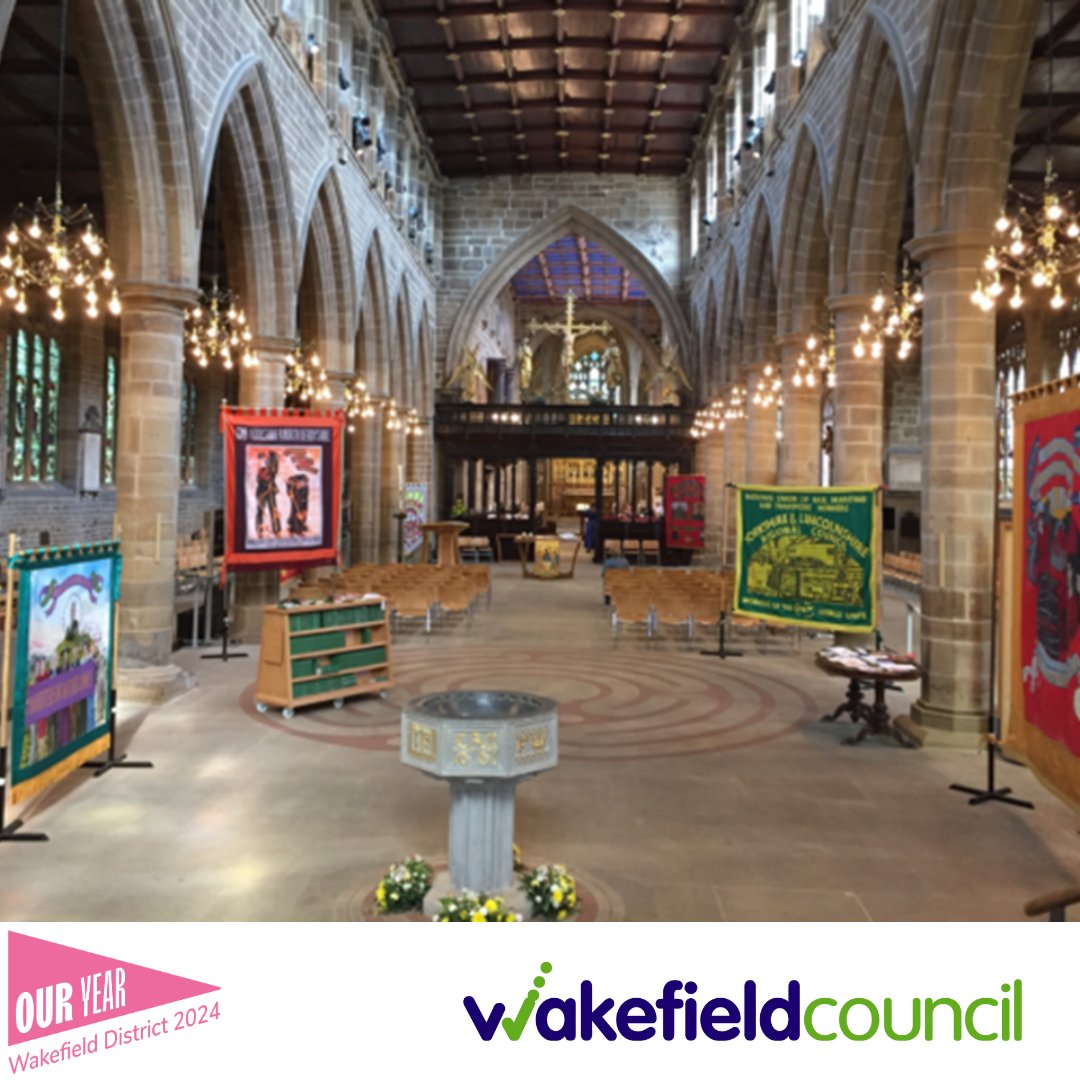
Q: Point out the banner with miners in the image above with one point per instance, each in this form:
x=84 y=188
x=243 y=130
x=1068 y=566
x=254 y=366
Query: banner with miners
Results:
x=282 y=487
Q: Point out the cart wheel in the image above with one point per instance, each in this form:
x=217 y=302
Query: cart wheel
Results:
x=339 y=703
x=261 y=706
x=288 y=713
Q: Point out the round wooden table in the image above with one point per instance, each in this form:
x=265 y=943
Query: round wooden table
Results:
x=446 y=535
x=874 y=715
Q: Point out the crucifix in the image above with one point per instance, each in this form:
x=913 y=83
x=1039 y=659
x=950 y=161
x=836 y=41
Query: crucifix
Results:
x=570 y=331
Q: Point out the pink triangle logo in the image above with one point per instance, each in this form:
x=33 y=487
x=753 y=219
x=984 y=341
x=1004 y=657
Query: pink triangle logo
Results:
x=54 y=988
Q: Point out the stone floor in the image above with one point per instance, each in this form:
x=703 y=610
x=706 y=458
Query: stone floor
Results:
x=688 y=788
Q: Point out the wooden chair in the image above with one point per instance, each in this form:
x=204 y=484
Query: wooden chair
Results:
x=633 y=611
x=413 y=604
x=650 y=549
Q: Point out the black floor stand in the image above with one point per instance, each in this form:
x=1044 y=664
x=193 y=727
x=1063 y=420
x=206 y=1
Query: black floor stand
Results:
x=224 y=655
x=991 y=793
x=721 y=650
x=113 y=760
x=12 y=831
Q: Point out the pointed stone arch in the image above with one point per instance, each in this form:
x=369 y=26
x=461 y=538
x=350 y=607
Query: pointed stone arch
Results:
x=325 y=296
x=803 y=278
x=875 y=165
x=141 y=112
x=372 y=350
x=759 y=300
x=255 y=199
x=570 y=219
x=404 y=354
x=730 y=325
x=971 y=92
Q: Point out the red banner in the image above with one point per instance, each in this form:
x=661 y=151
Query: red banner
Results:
x=684 y=512
x=1049 y=597
x=282 y=487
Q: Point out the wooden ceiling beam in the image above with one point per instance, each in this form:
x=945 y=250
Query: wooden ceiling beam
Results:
x=552 y=75
x=1024 y=144
x=586 y=270
x=538 y=131
x=521 y=44
x=1056 y=34
x=551 y=103
x=587 y=7
x=549 y=284
x=1065 y=98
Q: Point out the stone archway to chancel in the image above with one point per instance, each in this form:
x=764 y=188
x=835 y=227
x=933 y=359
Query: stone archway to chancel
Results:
x=576 y=221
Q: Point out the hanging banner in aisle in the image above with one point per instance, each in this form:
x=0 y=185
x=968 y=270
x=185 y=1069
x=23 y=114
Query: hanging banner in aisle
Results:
x=808 y=556
x=684 y=512
x=62 y=673
x=416 y=515
x=282 y=487
x=1044 y=698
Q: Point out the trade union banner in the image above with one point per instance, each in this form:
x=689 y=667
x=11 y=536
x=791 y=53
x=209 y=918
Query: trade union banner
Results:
x=415 y=498
x=684 y=512
x=63 y=670
x=1044 y=639
x=808 y=556
x=282 y=487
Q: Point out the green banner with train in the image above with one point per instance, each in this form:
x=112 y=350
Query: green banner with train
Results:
x=808 y=556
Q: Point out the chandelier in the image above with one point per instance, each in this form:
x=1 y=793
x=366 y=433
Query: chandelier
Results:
x=714 y=416
x=358 y=403
x=768 y=391
x=413 y=423
x=217 y=330
x=306 y=380
x=1036 y=246
x=817 y=360
x=394 y=422
x=893 y=318
x=52 y=246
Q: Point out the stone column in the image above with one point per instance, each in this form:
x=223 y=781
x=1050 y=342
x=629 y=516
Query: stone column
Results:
x=958 y=512
x=761 y=450
x=734 y=472
x=800 y=447
x=709 y=461
x=393 y=455
x=148 y=465
x=858 y=399
x=365 y=479
x=261 y=387
x=858 y=413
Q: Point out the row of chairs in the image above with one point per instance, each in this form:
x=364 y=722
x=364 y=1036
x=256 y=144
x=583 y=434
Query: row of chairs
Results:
x=654 y=598
x=903 y=568
x=475 y=549
x=425 y=594
x=637 y=551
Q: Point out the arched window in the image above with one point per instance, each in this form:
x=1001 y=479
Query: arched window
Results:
x=32 y=384
x=587 y=381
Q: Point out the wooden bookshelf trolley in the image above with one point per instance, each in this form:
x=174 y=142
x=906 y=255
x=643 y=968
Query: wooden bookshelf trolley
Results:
x=322 y=652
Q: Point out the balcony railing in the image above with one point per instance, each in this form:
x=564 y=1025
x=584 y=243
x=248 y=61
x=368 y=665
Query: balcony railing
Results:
x=572 y=420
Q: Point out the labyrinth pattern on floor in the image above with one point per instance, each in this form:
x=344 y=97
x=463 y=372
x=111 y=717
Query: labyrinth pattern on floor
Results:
x=612 y=706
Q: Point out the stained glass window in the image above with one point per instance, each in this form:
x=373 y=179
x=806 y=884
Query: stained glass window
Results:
x=32 y=383
x=108 y=435
x=587 y=381
x=187 y=432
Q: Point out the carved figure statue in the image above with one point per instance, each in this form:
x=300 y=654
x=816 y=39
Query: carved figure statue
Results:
x=670 y=377
x=468 y=377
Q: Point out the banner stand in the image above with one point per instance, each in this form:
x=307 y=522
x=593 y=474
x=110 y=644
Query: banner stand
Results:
x=227 y=595
x=9 y=831
x=721 y=650
x=992 y=793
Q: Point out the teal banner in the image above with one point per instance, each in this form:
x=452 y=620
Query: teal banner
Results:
x=62 y=677
x=808 y=556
